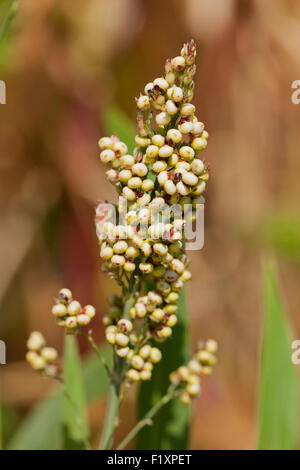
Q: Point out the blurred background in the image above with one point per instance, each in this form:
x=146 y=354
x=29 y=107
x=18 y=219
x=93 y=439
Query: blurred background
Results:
x=65 y=65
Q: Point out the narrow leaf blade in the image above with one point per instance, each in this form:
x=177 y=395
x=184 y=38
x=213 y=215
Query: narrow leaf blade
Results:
x=278 y=407
x=74 y=419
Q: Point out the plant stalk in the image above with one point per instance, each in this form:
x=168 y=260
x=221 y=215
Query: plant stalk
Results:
x=114 y=399
x=147 y=420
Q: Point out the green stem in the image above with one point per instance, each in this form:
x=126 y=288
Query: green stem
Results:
x=147 y=420
x=117 y=377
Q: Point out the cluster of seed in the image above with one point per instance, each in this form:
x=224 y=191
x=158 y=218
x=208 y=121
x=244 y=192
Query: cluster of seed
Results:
x=42 y=358
x=187 y=378
x=140 y=358
x=69 y=313
x=164 y=170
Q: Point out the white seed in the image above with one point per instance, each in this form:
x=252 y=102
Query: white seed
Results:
x=155 y=355
x=146 y=268
x=170 y=77
x=198 y=128
x=193 y=389
x=172 y=321
x=128 y=193
x=162 y=119
x=178 y=62
x=38 y=363
x=152 y=151
x=112 y=175
x=186 y=152
x=157 y=315
x=165 y=332
x=118 y=260
x=175 y=93
x=107 y=155
x=143 y=102
x=182 y=189
x=106 y=252
x=140 y=310
x=49 y=354
x=183 y=165
x=65 y=294
x=74 y=307
x=83 y=319
x=120 y=247
x=187 y=109
x=90 y=311
x=157 y=203
x=125 y=325
x=177 y=266
x=174 y=135
x=148 y=87
x=71 y=322
x=129 y=267
x=132 y=252
x=127 y=161
x=186 y=127
x=183 y=373
x=133 y=375
x=200 y=188
x=144 y=215
x=137 y=362
x=160 y=249
x=197 y=166
x=162 y=177
x=59 y=310
x=170 y=187
x=173 y=159
x=145 y=351
x=171 y=107
x=162 y=83
x=134 y=182
x=198 y=143
x=125 y=175
x=35 y=341
x=159 y=166
x=147 y=185
x=120 y=148
x=121 y=339
x=189 y=178
x=141 y=141
x=165 y=151
x=146 y=248
x=123 y=352
x=105 y=143
x=144 y=200
x=140 y=169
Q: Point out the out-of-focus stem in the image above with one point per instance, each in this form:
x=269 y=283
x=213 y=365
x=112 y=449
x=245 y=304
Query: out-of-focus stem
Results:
x=147 y=420
x=117 y=378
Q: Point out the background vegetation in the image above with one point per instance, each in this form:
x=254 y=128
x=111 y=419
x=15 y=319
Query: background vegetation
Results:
x=71 y=68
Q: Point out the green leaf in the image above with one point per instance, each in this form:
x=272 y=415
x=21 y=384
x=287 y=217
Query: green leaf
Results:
x=170 y=426
x=41 y=429
x=281 y=232
x=278 y=407
x=117 y=122
x=75 y=426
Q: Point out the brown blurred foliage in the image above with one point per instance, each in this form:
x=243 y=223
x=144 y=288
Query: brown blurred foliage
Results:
x=65 y=63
